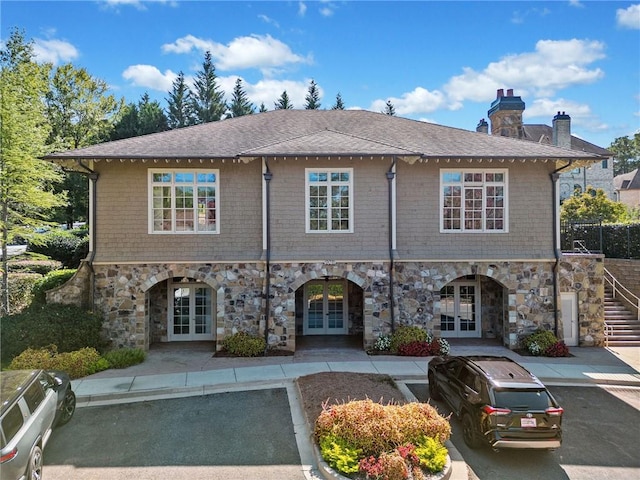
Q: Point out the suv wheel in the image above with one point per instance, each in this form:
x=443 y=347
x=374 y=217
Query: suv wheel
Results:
x=68 y=407
x=433 y=388
x=469 y=432
x=34 y=468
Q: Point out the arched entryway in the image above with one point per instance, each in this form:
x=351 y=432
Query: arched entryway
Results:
x=473 y=306
x=331 y=306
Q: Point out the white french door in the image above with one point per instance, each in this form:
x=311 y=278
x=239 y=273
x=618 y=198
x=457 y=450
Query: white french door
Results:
x=459 y=310
x=190 y=312
x=325 y=307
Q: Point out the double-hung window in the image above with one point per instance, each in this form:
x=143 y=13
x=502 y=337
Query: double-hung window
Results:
x=473 y=200
x=329 y=200
x=183 y=201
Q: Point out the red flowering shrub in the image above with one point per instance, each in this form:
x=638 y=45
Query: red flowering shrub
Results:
x=415 y=349
x=558 y=349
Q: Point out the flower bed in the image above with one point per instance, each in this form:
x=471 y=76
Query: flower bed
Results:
x=367 y=440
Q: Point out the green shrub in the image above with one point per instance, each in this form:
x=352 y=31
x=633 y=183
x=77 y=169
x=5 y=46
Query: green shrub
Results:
x=77 y=364
x=29 y=265
x=539 y=341
x=21 y=290
x=406 y=334
x=124 y=357
x=339 y=454
x=51 y=280
x=432 y=454
x=61 y=245
x=242 y=344
x=67 y=326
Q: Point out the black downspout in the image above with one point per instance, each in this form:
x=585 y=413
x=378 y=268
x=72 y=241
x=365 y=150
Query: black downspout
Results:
x=267 y=178
x=390 y=176
x=555 y=175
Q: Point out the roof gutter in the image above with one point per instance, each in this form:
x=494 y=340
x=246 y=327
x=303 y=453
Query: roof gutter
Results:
x=555 y=202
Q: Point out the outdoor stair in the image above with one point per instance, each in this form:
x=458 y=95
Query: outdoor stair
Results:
x=623 y=325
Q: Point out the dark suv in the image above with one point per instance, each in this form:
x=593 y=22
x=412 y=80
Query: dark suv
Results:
x=499 y=402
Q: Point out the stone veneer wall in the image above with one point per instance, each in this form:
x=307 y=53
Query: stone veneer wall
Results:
x=132 y=298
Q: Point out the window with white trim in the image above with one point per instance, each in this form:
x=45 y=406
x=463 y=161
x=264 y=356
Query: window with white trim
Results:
x=329 y=200
x=183 y=201
x=473 y=200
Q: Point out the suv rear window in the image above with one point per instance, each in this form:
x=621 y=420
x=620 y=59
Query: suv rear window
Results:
x=523 y=399
x=11 y=423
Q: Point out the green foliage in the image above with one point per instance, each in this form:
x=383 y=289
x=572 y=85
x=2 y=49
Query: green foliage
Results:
x=627 y=154
x=207 y=100
x=406 y=334
x=67 y=326
x=124 y=357
x=312 y=100
x=21 y=290
x=339 y=454
x=593 y=204
x=51 y=280
x=240 y=104
x=243 y=344
x=77 y=364
x=614 y=240
x=28 y=265
x=283 y=103
x=431 y=453
x=539 y=341
x=61 y=245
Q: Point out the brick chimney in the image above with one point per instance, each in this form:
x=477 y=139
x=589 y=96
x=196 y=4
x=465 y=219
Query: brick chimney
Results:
x=561 y=134
x=483 y=126
x=505 y=115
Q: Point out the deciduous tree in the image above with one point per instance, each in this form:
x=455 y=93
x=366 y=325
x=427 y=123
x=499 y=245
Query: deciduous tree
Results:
x=627 y=154
x=26 y=182
x=593 y=204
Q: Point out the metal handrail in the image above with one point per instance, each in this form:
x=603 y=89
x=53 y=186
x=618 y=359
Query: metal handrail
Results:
x=622 y=291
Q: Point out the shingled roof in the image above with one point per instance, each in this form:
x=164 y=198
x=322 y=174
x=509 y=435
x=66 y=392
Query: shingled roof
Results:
x=286 y=133
x=544 y=133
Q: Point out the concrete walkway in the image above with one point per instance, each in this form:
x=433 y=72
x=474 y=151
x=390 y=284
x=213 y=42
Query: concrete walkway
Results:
x=178 y=371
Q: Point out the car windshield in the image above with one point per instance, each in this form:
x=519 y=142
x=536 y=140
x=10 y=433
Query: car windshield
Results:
x=523 y=399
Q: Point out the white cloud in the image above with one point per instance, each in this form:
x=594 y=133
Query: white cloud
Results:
x=54 y=51
x=420 y=100
x=580 y=113
x=254 y=51
x=268 y=91
x=302 y=8
x=576 y=3
x=629 y=17
x=149 y=76
x=554 y=65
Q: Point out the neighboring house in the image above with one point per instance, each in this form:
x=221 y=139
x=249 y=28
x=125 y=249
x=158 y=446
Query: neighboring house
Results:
x=330 y=222
x=627 y=188
x=505 y=116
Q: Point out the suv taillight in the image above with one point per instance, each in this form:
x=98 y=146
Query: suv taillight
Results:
x=9 y=456
x=556 y=411
x=489 y=410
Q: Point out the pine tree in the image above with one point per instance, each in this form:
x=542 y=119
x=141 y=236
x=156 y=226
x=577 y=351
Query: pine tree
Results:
x=151 y=118
x=207 y=100
x=390 y=109
x=313 y=97
x=339 y=105
x=240 y=104
x=179 y=105
x=262 y=108
x=283 y=102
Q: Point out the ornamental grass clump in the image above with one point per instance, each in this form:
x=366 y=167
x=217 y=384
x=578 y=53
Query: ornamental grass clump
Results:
x=389 y=440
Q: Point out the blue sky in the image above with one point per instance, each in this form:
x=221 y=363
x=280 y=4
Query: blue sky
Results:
x=440 y=62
